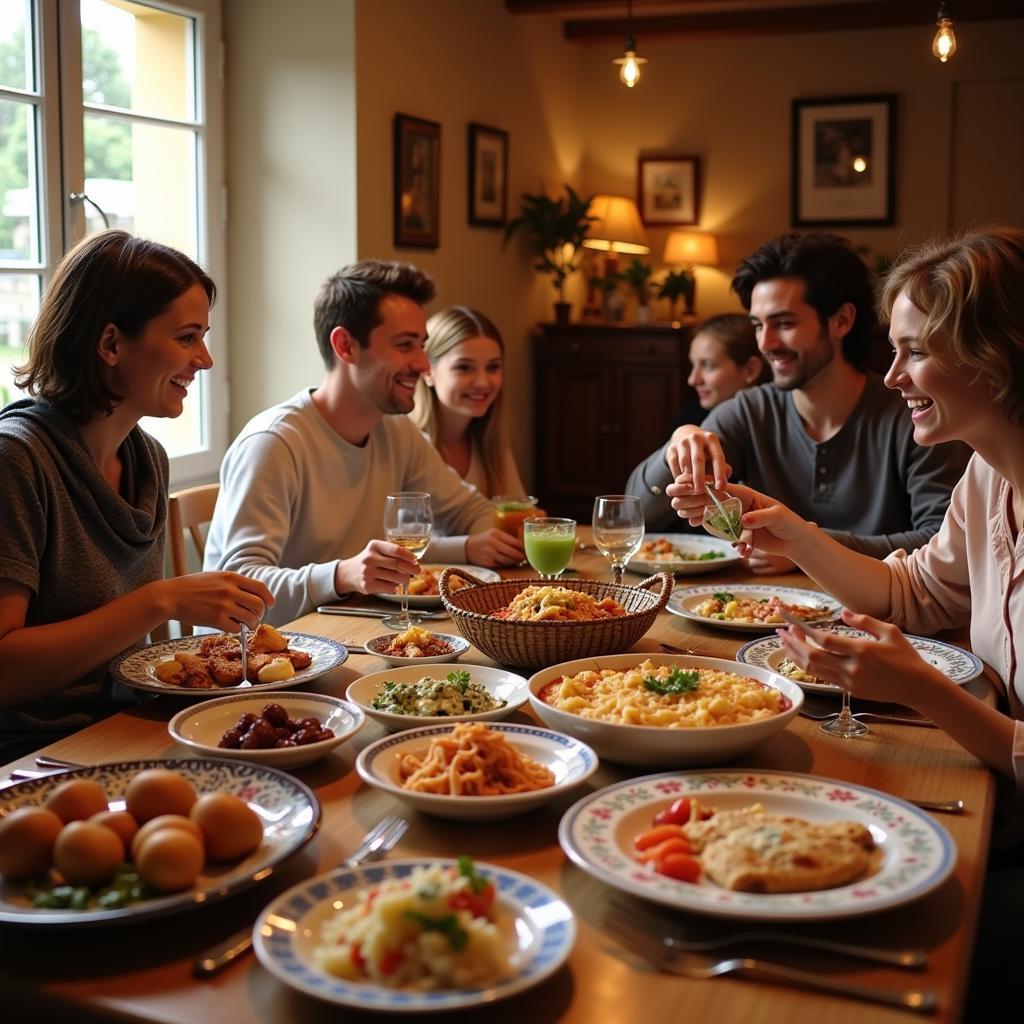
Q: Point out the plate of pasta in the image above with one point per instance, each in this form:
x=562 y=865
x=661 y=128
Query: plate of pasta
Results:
x=749 y=608
x=684 y=554
x=423 y=592
x=510 y=931
x=661 y=710
x=411 y=697
x=476 y=770
x=961 y=666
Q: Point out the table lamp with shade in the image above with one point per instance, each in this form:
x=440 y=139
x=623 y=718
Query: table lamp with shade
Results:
x=689 y=249
x=616 y=228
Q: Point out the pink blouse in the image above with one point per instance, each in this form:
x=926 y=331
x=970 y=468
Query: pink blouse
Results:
x=971 y=571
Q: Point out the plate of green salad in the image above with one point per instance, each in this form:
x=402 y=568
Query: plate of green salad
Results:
x=415 y=696
x=684 y=554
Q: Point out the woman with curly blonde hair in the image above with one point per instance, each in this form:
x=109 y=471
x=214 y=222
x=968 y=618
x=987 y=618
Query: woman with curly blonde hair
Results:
x=459 y=401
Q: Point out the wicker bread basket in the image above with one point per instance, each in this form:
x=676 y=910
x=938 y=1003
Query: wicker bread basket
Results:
x=539 y=644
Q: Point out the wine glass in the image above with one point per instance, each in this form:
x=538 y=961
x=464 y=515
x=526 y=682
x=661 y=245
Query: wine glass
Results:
x=549 y=544
x=618 y=529
x=408 y=518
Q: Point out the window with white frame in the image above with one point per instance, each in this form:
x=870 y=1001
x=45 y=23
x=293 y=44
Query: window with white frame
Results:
x=110 y=116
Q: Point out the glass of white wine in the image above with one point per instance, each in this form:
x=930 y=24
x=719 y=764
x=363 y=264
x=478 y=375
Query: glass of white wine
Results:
x=618 y=529
x=408 y=519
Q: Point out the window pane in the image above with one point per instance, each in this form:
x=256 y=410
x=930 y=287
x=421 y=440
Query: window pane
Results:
x=19 y=306
x=138 y=58
x=16 y=63
x=19 y=183
x=144 y=179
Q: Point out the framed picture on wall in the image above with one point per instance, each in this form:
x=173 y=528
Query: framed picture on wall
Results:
x=668 y=190
x=844 y=161
x=488 y=176
x=417 y=182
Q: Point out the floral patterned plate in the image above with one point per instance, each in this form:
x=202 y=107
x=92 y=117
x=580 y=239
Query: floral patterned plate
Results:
x=136 y=668
x=961 y=666
x=289 y=811
x=538 y=927
x=685 y=601
x=917 y=853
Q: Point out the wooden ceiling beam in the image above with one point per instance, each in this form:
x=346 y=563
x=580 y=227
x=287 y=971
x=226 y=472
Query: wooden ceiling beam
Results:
x=773 y=20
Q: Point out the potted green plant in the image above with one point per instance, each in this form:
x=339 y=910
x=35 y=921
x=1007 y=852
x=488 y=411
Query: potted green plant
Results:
x=676 y=285
x=638 y=276
x=556 y=229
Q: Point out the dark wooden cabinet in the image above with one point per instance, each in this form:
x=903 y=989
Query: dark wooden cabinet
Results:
x=606 y=397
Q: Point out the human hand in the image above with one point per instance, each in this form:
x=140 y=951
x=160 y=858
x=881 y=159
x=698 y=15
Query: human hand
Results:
x=883 y=666
x=493 y=548
x=761 y=563
x=380 y=568
x=690 y=450
x=221 y=600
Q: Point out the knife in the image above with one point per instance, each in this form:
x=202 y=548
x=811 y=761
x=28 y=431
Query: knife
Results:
x=372 y=613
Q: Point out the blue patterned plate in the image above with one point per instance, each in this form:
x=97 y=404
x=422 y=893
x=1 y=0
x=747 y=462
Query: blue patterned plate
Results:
x=136 y=668
x=916 y=853
x=536 y=923
x=961 y=666
x=289 y=811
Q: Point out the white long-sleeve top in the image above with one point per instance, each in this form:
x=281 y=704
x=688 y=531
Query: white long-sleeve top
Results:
x=972 y=570
x=295 y=498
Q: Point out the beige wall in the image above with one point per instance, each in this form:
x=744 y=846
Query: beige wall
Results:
x=728 y=102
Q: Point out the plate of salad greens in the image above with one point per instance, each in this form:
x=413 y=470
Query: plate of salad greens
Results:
x=684 y=554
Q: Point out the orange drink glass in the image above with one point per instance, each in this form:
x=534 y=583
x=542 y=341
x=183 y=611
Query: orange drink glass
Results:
x=510 y=512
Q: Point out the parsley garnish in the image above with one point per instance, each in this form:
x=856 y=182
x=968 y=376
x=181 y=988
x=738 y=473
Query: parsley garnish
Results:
x=679 y=681
x=477 y=882
x=724 y=596
x=708 y=555
x=459 y=679
x=448 y=926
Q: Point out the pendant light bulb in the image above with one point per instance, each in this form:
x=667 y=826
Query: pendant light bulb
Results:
x=944 y=43
x=629 y=65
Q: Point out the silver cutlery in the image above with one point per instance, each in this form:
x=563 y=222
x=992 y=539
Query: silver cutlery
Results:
x=371 y=613
x=663 y=957
x=817 y=715
x=380 y=840
x=55 y=763
x=669 y=649
x=940 y=806
x=650 y=923
x=244 y=641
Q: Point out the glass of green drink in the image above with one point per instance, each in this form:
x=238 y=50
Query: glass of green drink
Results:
x=549 y=544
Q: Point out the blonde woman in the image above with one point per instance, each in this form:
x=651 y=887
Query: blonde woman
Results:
x=458 y=402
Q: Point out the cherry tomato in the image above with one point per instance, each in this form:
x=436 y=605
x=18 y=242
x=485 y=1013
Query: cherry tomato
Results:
x=677 y=813
x=680 y=866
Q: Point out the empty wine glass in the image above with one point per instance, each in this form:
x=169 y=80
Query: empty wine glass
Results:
x=408 y=519
x=618 y=529
x=549 y=544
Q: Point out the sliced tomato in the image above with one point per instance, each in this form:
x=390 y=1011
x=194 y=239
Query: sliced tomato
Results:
x=477 y=903
x=677 y=813
x=680 y=866
x=390 y=961
x=357 y=957
x=656 y=835
x=676 y=844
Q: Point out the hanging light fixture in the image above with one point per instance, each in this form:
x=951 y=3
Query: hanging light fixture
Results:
x=629 y=63
x=944 y=43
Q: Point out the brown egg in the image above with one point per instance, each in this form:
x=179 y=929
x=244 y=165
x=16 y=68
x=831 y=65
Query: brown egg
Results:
x=86 y=853
x=157 y=791
x=170 y=859
x=230 y=827
x=77 y=800
x=120 y=822
x=161 y=822
x=27 y=836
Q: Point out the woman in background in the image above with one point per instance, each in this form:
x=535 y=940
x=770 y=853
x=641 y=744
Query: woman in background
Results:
x=459 y=402
x=120 y=335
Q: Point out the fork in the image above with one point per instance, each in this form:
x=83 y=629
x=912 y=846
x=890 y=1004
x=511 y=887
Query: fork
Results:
x=377 y=842
x=639 y=917
x=652 y=949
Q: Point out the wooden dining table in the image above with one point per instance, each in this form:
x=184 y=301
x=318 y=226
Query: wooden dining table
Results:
x=144 y=971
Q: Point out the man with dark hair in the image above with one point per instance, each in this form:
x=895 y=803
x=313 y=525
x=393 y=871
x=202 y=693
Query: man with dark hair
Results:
x=303 y=485
x=826 y=437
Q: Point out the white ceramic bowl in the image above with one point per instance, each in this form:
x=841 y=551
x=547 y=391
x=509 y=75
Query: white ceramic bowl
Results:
x=571 y=762
x=496 y=681
x=655 y=746
x=375 y=646
x=201 y=726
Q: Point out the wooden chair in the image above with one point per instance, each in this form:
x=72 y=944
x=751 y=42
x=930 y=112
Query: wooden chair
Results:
x=187 y=511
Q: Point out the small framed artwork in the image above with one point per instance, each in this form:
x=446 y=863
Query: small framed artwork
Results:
x=417 y=183
x=488 y=176
x=668 y=190
x=844 y=161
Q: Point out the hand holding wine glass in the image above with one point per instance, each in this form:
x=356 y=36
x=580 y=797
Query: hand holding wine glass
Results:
x=408 y=519
x=618 y=529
